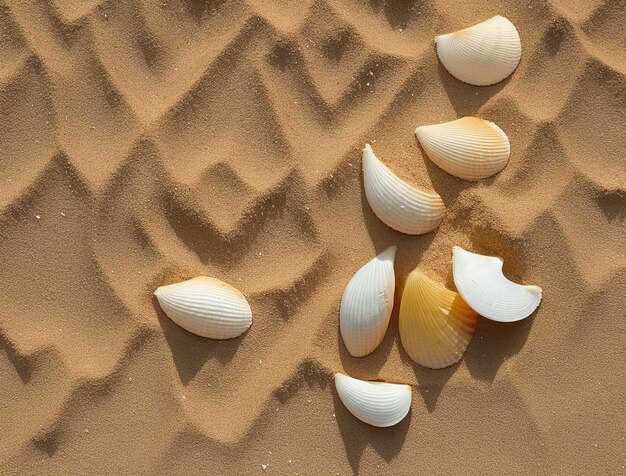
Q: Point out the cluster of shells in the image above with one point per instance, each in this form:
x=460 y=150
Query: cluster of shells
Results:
x=436 y=324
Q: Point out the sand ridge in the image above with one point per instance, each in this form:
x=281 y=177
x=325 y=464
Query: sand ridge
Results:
x=148 y=142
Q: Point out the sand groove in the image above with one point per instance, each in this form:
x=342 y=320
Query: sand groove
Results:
x=148 y=142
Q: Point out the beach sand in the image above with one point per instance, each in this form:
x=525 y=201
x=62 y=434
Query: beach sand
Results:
x=143 y=143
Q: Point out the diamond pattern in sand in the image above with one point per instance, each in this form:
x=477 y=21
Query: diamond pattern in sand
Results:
x=123 y=139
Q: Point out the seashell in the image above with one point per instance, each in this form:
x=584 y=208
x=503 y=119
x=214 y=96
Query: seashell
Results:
x=367 y=303
x=436 y=325
x=482 y=285
x=396 y=203
x=469 y=148
x=207 y=307
x=375 y=403
x=482 y=54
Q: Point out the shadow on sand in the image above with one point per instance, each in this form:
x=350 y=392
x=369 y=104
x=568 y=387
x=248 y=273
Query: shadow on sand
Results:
x=356 y=435
x=466 y=99
x=189 y=351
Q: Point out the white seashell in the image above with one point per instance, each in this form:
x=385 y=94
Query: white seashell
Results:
x=376 y=403
x=207 y=307
x=482 y=285
x=436 y=325
x=482 y=54
x=469 y=148
x=367 y=303
x=399 y=205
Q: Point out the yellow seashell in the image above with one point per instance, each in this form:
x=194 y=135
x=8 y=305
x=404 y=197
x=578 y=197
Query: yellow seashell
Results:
x=436 y=325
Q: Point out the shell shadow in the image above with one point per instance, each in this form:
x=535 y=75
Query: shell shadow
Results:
x=446 y=185
x=310 y=374
x=383 y=236
x=369 y=365
x=466 y=99
x=356 y=435
x=23 y=366
x=410 y=250
x=613 y=205
x=189 y=351
x=430 y=382
x=493 y=343
x=48 y=443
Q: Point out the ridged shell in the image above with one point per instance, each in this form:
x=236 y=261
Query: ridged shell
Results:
x=367 y=303
x=469 y=148
x=482 y=54
x=399 y=205
x=436 y=325
x=483 y=286
x=375 y=403
x=207 y=307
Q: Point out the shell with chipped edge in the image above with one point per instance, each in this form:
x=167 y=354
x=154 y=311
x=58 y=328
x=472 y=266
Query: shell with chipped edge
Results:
x=483 y=286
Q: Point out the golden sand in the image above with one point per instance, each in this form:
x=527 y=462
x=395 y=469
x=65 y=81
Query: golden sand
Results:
x=147 y=142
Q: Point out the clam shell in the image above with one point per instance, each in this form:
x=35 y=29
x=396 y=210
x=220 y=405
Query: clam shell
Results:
x=367 y=303
x=396 y=203
x=207 y=307
x=469 y=148
x=481 y=283
x=436 y=325
x=482 y=54
x=375 y=403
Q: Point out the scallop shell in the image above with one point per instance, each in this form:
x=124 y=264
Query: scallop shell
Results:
x=367 y=303
x=436 y=325
x=375 y=403
x=399 y=205
x=482 y=54
x=482 y=285
x=469 y=148
x=207 y=307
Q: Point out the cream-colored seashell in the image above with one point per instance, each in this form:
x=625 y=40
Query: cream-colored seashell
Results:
x=376 y=403
x=482 y=285
x=469 y=148
x=207 y=307
x=436 y=325
x=399 y=205
x=367 y=303
x=482 y=54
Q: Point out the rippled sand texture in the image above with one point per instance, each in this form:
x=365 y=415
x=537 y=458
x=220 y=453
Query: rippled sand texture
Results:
x=145 y=142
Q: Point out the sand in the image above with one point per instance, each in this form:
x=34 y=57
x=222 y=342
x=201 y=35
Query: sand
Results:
x=142 y=143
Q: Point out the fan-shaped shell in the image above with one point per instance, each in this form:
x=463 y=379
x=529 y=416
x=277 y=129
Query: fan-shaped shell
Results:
x=367 y=303
x=399 y=205
x=207 y=307
x=481 y=283
x=482 y=54
x=376 y=403
x=436 y=325
x=469 y=148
